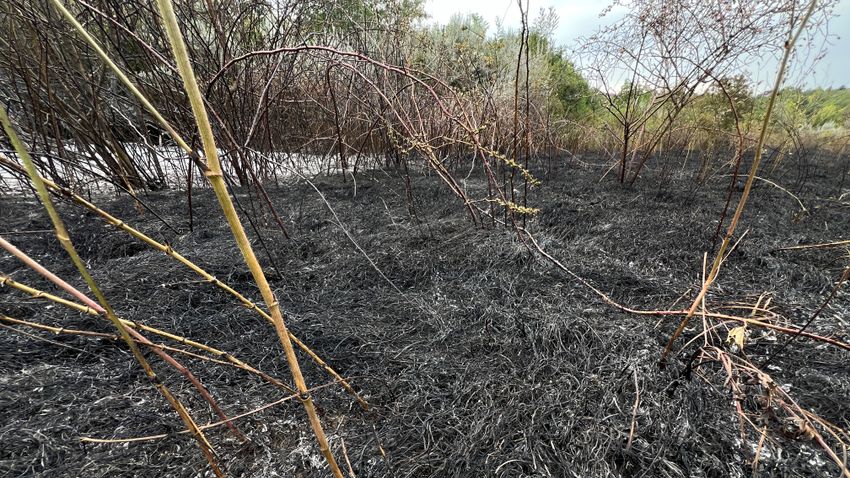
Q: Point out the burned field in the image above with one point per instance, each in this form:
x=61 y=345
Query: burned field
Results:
x=477 y=355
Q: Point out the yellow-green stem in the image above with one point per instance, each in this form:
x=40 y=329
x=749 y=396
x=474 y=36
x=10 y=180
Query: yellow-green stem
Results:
x=65 y=240
x=120 y=74
x=183 y=145
x=216 y=178
x=733 y=224
x=192 y=154
x=230 y=359
x=167 y=250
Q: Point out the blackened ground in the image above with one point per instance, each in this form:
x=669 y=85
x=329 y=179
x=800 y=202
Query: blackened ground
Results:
x=489 y=363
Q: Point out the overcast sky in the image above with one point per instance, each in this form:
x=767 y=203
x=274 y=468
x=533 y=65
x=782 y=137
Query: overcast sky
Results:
x=581 y=18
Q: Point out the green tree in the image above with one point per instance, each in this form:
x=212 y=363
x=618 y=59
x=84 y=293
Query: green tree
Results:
x=571 y=95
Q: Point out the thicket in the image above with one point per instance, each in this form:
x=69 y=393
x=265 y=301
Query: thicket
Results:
x=357 y=84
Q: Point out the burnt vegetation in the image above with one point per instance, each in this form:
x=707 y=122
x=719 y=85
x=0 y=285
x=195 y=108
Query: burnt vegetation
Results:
x=333 y=238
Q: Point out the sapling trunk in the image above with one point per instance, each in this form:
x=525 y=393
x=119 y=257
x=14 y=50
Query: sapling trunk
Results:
x=11 y=249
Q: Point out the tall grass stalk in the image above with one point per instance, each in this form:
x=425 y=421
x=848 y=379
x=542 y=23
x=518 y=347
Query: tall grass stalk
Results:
x=91 y=308
x=105 y=308
x=220 y=188
x=170 y=252
x=120 y=74
x=103 y=335
x=136 y=335
x=733 y=224
x=216 y=178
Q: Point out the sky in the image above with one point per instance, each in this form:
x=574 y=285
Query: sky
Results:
x=580 y=18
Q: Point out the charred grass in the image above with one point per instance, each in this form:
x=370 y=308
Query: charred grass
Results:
x=490 y=362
